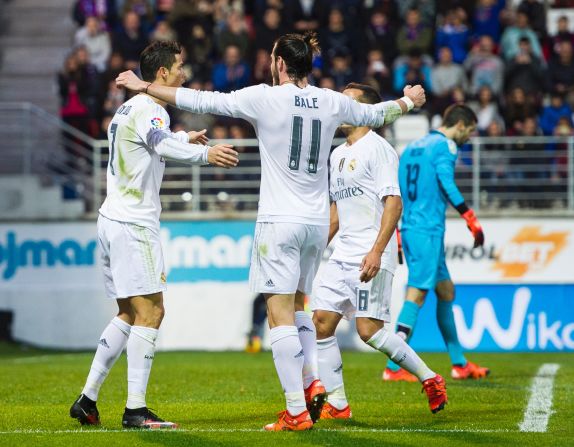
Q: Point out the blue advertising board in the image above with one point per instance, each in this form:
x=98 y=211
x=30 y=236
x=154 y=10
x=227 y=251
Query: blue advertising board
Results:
x=504 y=317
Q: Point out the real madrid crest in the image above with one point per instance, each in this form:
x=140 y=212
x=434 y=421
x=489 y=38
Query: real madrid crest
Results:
x=341 y=164
x=352 y=165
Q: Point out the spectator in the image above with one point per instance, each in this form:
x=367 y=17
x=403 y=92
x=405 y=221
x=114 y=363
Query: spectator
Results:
x=306 y=15
x=525 y=71
x=262 y=67
x=378 y=74
x=96 y=40
x=426 y=9
x=485 y=68
x=130 y=41
x=445 y=77
x=327 y=82
x=510 y=42
x=518 y=108
x=552 y=113
x=486 y=109
x=199 y=52
x=536 y=13
x=232 y=73
x=337 y=39
x=144 y=10
x=269 y=29
x=114 y=98
x=412 y=70
x=73 y=89
x=162 y=32
x=414 y=35
x=563 y=34
x=381 y=34
x=561 y=71
x=105 y=10
x=91 y=93
x=486 y=19
x=341 y=71
x=454 y=34
x=234 y=33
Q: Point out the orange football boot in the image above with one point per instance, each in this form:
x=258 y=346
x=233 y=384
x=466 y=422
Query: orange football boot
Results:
x=315 y=397
x=469 y=371
x=436 y=392
x=401 y=375
x=286 y=422
x=330 y=412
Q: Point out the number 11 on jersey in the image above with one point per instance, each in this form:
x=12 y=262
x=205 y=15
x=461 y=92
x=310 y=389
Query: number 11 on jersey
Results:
x=297 y=141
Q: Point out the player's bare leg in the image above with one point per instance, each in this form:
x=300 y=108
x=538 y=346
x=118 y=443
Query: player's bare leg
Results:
x=149 y=312
x=110 y=346
x=461 y=367
x=288 y=357
x=406 y=322
x=331 y=365
x=315 y=393
x=374 y=333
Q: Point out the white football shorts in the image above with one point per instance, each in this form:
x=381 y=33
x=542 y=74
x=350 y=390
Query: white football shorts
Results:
x=286 y=256
x=340 y=290
x=132 y=259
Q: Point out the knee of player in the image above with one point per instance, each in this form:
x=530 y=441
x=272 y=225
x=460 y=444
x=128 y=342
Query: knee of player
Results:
x=323 y=328
x=365 y=333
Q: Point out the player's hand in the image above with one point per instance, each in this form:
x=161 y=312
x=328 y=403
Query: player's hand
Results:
x=416 y=94
x=475 y=228
x=198 y=137
x=129 y=80
x=370 y=266
x=222 y=155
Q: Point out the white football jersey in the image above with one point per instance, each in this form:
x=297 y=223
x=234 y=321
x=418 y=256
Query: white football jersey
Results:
x=138 y=136
x=295 y=128
x=361 y=175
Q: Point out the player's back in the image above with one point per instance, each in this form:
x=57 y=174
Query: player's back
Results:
x=295 y=127
x=424 y=204
x=135 y=171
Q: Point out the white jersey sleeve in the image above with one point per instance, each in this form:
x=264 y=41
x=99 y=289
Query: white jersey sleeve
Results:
x=245 y=103
x=384 y=166
x=155 y=132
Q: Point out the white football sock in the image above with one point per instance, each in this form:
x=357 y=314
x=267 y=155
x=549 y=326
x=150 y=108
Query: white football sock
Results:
x=112 y=342
x=331 y=371
x=400 y=353
x=141 y=348
x=308 y=338
x=288 y=357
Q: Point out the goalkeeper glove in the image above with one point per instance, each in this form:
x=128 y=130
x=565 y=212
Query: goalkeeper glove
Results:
x=474 y=226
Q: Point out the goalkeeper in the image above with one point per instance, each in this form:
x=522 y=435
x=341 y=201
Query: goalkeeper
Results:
x=426 y=178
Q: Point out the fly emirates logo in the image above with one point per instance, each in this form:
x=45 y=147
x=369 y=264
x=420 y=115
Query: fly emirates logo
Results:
x=540 y=333
x=529 y=251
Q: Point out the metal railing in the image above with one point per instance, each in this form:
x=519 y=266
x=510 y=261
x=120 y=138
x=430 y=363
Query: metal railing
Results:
x=504 y=175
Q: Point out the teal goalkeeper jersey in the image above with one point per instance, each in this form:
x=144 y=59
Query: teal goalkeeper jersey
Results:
x=426 y=179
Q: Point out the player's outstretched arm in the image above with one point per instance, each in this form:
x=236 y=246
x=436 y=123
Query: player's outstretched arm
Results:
x=222 y=155
x=391 y=214
x=129 y=80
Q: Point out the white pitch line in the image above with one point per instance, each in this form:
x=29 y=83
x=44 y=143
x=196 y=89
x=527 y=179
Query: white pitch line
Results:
x=42 y=358
x=256 y=430
x=539 y=407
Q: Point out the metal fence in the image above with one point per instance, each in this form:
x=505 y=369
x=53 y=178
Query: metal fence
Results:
x=518 y=175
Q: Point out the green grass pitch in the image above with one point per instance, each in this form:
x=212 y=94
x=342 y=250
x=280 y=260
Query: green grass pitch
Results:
x=224 y=399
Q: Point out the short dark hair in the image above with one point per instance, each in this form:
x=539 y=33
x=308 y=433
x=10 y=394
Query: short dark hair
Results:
x=368 y=96
x=297 y=50
x=458 y=112
x=156 y=55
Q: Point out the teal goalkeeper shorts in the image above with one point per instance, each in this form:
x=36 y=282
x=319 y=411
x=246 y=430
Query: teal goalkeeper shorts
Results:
x=425 y=259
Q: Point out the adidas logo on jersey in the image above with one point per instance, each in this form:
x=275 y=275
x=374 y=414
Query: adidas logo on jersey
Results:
x=104 y=343
x=304 y=329
x=269 y=283
x=300 y=354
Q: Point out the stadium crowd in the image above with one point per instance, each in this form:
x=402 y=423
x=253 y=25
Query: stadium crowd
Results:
x=496 y=55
